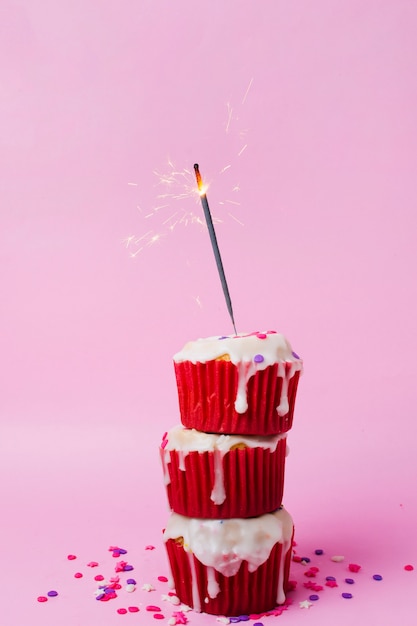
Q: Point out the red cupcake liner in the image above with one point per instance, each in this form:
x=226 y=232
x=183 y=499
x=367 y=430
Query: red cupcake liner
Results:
x=207 y=394
x=242 y=594
x=253 y=480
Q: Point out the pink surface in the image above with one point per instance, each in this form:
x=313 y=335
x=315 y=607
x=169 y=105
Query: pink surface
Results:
x=316 y=221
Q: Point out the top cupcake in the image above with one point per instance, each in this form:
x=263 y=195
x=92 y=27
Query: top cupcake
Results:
x=243 y=384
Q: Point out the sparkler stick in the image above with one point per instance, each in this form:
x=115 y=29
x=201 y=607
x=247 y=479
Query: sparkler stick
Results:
x=214 y=243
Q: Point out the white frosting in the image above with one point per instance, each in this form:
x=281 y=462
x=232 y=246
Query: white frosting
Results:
x=250 y=353
x=224 y=544
x=186 y=440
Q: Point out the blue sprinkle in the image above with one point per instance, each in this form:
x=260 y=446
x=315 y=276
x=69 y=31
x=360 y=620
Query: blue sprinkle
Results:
x=234 y=620
x=330 y=578
x=349 y=581
x=258 y=358
x=52 y=594
x=377 y=577
x=243 y=618
x=313 y=597
x=109 y=590
x=295 y=355
x=131 y=581
x=121 y=551
x=305 y=559
x=258 y=624
x=100 y=596
x=318 y=552
x=347 y=595
x=128 y=568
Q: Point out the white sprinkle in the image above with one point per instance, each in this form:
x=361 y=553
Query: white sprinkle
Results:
x=223 y=620
x=148 y=587
x=337 y=559
x=172 y=621
x=129 y=588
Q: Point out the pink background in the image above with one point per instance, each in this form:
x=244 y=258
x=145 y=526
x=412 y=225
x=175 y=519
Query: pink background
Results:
x=316 y=219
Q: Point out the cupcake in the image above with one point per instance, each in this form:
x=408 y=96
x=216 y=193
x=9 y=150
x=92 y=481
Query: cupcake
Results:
x=241 y=384
x=230 y=567
x=222 y=476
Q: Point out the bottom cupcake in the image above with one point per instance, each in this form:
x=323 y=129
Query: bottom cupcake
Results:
x=233 y=566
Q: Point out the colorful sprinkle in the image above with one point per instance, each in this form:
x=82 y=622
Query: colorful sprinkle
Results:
x=122 y=611
x=408 y=568
x=305 y=559
x=130 y=588
x=71 y=557
x=78 y=575
x=346 y=595
x=330 y=578
x=295 y=355
x=52 y=593
x=353 y=567
x=337 y=559
x=313 y=597
x=128 y=568
x=42 y=599
x=319 y=551
x=152 y=607
x=92 y=564
x=377 y=577
x=258 y=358
x=163 y=579
x=149 y=547
x=133 y=609
x=158 y=616
x=349 y=581
x=130 y=581
x=99 y=577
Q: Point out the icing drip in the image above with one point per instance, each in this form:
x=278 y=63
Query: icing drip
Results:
x=249 y=353
x=194 y=584
x=213 y=587
x=218 y=495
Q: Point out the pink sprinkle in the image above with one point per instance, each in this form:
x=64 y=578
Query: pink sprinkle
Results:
x=164 y=443
x=314 y=569
x=354 y=568
x=163 y=579
x=180 y=617
x=331 y=583
x=92 y=564
x=78 y=575
x=111 y=548
x=152 y=607
x=296 y=558
x=114 y=579
x=42 y=599
x=149 y=547
x=310 y=573
x=71 y=557
x=133 y=609
x=292 y=584
x=122 y=611
x=158 y=616
x=99 y=577
x=261 y=336
x=408 y=568
x=120 y=566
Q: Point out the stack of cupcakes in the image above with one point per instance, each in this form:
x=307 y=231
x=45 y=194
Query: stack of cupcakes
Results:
x=229 y=538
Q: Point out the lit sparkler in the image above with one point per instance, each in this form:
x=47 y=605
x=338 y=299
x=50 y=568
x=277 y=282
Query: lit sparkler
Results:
x=215 y=245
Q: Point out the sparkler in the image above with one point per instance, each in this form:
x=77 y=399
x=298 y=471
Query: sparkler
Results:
x=214 y=243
